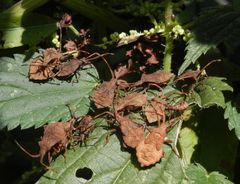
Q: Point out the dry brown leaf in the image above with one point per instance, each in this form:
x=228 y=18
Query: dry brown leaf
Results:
x=132 y=132
x=103 y=96
x=150 y=150
x=132 y=100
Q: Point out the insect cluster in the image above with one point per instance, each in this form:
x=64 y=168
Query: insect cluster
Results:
x=58 y=136
x=142 y=112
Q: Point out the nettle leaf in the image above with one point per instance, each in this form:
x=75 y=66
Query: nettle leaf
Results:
x=28 y=104
x=233 y=116
x=187 y=140
x=110 y=163
x=194 y=50
x=210 y=92
x=214 y=27
x=197 y=174
x=28 y=29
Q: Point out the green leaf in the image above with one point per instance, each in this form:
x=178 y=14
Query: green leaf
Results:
x=27 y=29
x=28 y=104
x=197 y=174
x=214 y=27
x=110 y=163
x=194 y=50
x=187 y=140
x=210 y=91
x=233 y=116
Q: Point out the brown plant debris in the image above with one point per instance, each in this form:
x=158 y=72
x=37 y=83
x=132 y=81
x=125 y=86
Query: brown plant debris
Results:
x=159 y=77
x=103 y=96
x=131 y=101
x=55 y=139
x=150 y=150
x=155 y=111
x=132 y=132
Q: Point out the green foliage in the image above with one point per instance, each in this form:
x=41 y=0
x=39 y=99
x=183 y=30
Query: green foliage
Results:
x=28 y=104
x=194 y=50
x=233 y=116
x=212 y=28
x=27 y=29
x=187 y=140
x=208 y=92
x=197 y=174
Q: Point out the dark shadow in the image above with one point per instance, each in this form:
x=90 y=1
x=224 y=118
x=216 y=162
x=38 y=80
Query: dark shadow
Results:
x=216 y=149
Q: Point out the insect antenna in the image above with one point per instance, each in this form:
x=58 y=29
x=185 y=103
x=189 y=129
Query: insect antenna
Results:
x=25 y=151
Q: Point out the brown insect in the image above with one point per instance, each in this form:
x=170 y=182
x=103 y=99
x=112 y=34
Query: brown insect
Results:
x=69 y=68
x=84 y=128
x=42 y=68
x=132 y=132
x=156 y=78
x=55 y=139
x=150 y=150
x=194 y=74
x=179 y=107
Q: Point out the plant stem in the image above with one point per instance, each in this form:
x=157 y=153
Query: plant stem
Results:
x=167 y=60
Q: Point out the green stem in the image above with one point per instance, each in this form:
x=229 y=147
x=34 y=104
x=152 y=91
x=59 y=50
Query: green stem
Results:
x=74 y=30
x=167 y=60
